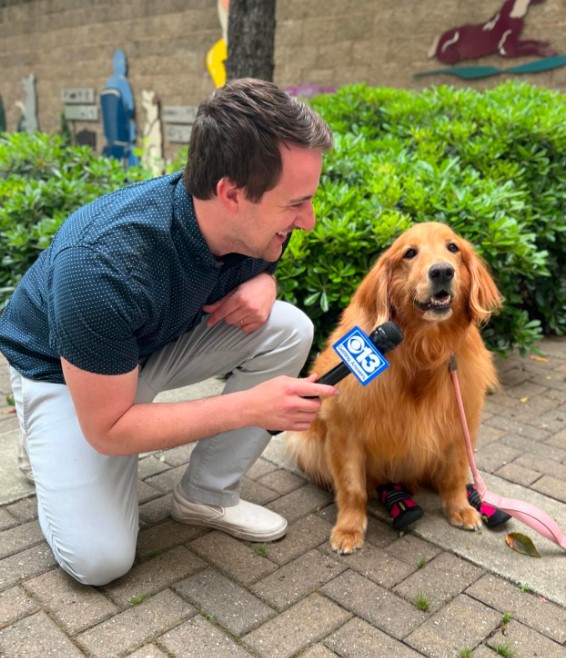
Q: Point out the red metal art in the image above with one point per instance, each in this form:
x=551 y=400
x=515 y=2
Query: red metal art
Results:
x=499 y=35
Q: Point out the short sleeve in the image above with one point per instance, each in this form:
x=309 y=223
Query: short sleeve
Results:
x=93 y=310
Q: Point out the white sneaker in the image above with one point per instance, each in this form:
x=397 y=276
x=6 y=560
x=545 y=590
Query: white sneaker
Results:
x=244 y=520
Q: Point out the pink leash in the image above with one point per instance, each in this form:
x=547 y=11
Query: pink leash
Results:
x=530 y=515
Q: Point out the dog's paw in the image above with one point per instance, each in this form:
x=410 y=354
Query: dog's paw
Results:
x=465 y=517
x=346 y=541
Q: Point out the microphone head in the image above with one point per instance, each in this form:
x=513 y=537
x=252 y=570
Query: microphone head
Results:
x=387 y=336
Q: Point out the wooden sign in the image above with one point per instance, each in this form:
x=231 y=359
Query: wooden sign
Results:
x=178 y=133
x=181 y=114
x=78 y=96
x=81 y=112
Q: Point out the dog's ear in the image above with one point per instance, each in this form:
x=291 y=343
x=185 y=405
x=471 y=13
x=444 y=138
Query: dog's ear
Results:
x=484 y=296
x=372 y=296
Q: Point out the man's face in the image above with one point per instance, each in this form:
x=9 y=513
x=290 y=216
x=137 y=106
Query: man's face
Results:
x=264 y=226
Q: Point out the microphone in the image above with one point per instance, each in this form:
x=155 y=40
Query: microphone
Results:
x=385 y=337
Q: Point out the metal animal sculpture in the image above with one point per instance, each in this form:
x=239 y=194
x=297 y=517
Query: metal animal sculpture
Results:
x=499 y=35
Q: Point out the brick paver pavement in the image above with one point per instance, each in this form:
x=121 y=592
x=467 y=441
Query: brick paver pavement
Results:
x=195 y=592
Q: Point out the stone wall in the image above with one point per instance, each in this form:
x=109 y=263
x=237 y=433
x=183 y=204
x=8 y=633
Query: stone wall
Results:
x=70 y=44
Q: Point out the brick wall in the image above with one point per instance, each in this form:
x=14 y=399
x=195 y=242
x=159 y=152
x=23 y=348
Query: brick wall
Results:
x=70 y=43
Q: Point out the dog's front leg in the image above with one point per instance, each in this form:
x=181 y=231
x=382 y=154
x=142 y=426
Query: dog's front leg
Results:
x=348 y=464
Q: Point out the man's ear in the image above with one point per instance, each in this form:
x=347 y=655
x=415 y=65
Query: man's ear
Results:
x=229 y=194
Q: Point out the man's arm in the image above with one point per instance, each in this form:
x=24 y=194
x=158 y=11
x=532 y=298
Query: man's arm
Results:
x=248 y=306
x=115 y=425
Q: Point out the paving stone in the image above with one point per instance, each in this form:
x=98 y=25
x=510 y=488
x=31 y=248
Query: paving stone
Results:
x=261 y=468
x=282 y=481
x=301 y=502
x=543 y=465
x=198 y=638
x=306 y=622
x=492 y=459
x=413 y=550
x=19 y=538
x=440 y=580
x=317 y=651
x=146 y=492
x=27 y=564
x=515 y=427
x=463 y=623
x=75 y=606
x=128 y=630
x=36 y=636
x=149 y=651
x=232 y=606
x=306 y=533
x=524 y=641
x=168 y=480
x=551 y=486
x=159 y=538
x=488 y=435
x=519 y=474
x=375 y=564
x=358 y=639
x=297 y=579
x=256 y=493
x=15 y=603
x=151 y=465
x=233 y=557
x=375 y=604
x=537 y=450
x=558 y=440
x=6 y=519
x=530 y=609
x=24 y=510
x=154 y=575
x=156 y=510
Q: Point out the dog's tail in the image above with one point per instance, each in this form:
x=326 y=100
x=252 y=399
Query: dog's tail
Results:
x=307 y=449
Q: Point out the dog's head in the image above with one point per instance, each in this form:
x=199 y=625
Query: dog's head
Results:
x=429 y=274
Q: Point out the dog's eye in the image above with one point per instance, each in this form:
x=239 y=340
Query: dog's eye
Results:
x=453 y=247
x=410 y=253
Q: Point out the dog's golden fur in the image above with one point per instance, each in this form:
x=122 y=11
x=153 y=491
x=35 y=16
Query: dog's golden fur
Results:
x=404 y=426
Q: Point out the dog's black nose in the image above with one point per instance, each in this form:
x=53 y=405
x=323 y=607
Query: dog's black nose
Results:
x=441 y=273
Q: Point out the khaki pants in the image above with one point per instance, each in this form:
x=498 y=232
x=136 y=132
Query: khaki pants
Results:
x=87 y=502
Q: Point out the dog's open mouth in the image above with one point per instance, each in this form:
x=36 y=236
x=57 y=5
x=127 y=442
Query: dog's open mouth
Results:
x=439 y=303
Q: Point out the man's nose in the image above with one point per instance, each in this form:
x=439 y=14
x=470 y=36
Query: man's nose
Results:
x=306 y=219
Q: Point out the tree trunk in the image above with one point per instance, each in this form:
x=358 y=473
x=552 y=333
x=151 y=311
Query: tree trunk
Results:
x=251 y=37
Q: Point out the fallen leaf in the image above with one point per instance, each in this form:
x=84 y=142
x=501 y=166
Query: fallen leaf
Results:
x=521 y=544
x=523 y=400
x=11 y=410
x=542 y=359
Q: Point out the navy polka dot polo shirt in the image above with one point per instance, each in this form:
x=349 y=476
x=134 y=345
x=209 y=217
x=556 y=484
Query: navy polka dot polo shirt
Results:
x=124 y=276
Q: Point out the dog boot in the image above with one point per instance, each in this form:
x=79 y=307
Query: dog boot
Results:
x=491 y=516
x=401 y=507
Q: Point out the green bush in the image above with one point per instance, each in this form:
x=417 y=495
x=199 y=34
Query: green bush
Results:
x=43 y=180
x=491 y=164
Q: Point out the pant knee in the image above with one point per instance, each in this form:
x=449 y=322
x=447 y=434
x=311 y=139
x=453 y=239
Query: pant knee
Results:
x=100 y=564
x=296 y=322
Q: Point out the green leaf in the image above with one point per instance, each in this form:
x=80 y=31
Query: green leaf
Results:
x=521 y=544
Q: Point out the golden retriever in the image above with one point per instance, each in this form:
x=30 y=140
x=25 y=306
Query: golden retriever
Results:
x=404 y=426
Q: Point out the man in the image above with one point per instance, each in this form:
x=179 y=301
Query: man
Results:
x=160 y=285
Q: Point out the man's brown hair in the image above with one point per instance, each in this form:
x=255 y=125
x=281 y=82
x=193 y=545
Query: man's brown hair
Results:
x=239 y=131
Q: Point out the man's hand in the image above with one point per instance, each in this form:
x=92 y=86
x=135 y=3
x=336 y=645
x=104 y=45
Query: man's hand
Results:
x=114 y=424
x=286 y=403
x=247 y=306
